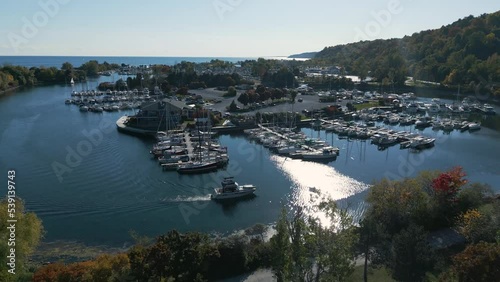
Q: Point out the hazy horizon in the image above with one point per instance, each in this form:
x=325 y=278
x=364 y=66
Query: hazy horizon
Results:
x=216 y=28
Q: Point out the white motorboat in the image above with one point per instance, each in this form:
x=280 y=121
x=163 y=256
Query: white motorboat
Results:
x=231 y=190
x=489 y=109
x=474 y=126
x=326 y=154
x=289 y=149
x=422 y=143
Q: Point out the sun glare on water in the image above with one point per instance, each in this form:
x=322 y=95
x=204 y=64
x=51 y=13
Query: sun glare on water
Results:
x=314 y=183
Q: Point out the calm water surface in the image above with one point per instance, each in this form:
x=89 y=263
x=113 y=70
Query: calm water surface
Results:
x=57 y=61
x=114 y=186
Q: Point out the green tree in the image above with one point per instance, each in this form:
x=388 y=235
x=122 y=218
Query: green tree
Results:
x=473 y=196
x=232 y=107
x=360 y=68
x=293 y=95
x=28 y=232
x=340 y=238
x=184 y=257
x=411 y=255
x=66 y=66
x=395 y=204
x=304 y=249
x=231 y=92
x=280 y=246
x=91 y=68
x=371 y=240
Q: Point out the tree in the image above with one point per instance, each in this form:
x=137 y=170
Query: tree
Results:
x=471 y=225
x=104 y=268
x=183 y=257
x=138 y=266
x=360 y=68
x=244 y=98
x=293 y=95
x=183 y=91
x=66 y=66
x=473 y=195
x=260 y=67
x=411 y=255
x=91 y=68
x=478 y=262
x=341 y=238
x=447 y=184
x=28 y=232
x=395 y=204
x=111 y=268
x=446 y=189
x=304 y=249
x=231 y=92
x=280 y=248
x=50 y=272
x=371 y=238
x=232 y=107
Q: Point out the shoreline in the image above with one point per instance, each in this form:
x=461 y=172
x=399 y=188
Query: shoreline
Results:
x=3 y=92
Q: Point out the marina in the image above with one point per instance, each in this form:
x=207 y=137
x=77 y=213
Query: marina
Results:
x=341 y=158
x=112 y=101
x=116 y=184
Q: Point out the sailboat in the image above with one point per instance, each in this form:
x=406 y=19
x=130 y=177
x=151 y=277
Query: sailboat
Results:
x=200 y=165
x=72 y=81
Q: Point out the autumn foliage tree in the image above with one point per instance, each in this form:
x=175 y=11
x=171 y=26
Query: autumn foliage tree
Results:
x=448 y=184
x=446 y=188
x=28 y=233
x=104 y=268
x=478 y=262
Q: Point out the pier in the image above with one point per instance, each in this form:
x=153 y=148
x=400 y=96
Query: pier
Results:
x=284 y=137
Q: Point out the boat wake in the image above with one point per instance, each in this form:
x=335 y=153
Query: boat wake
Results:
x=182 y=199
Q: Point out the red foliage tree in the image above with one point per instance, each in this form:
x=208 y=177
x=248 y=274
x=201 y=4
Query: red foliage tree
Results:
x=448 y=184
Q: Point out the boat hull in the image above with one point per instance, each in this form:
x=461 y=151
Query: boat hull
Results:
x=319 y=157
x=197 y=169
x=244 y=191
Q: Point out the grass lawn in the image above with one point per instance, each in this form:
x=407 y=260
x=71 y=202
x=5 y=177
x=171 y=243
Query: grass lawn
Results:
x=366 y=105
x=374 y=275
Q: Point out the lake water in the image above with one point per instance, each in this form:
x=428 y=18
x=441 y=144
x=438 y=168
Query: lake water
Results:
x=113 y=186
x=57 y=61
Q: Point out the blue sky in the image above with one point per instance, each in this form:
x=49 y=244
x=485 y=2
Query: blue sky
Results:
x=224 y=28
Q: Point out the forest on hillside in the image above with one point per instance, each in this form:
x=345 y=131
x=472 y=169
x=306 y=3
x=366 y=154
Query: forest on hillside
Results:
x=462 y=53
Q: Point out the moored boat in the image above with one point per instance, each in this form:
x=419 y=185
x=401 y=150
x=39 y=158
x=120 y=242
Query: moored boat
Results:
x=197 y=167
x=474 y=126
x=326 y=154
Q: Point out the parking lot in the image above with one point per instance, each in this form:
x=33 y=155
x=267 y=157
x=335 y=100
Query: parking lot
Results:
x=309 y=102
